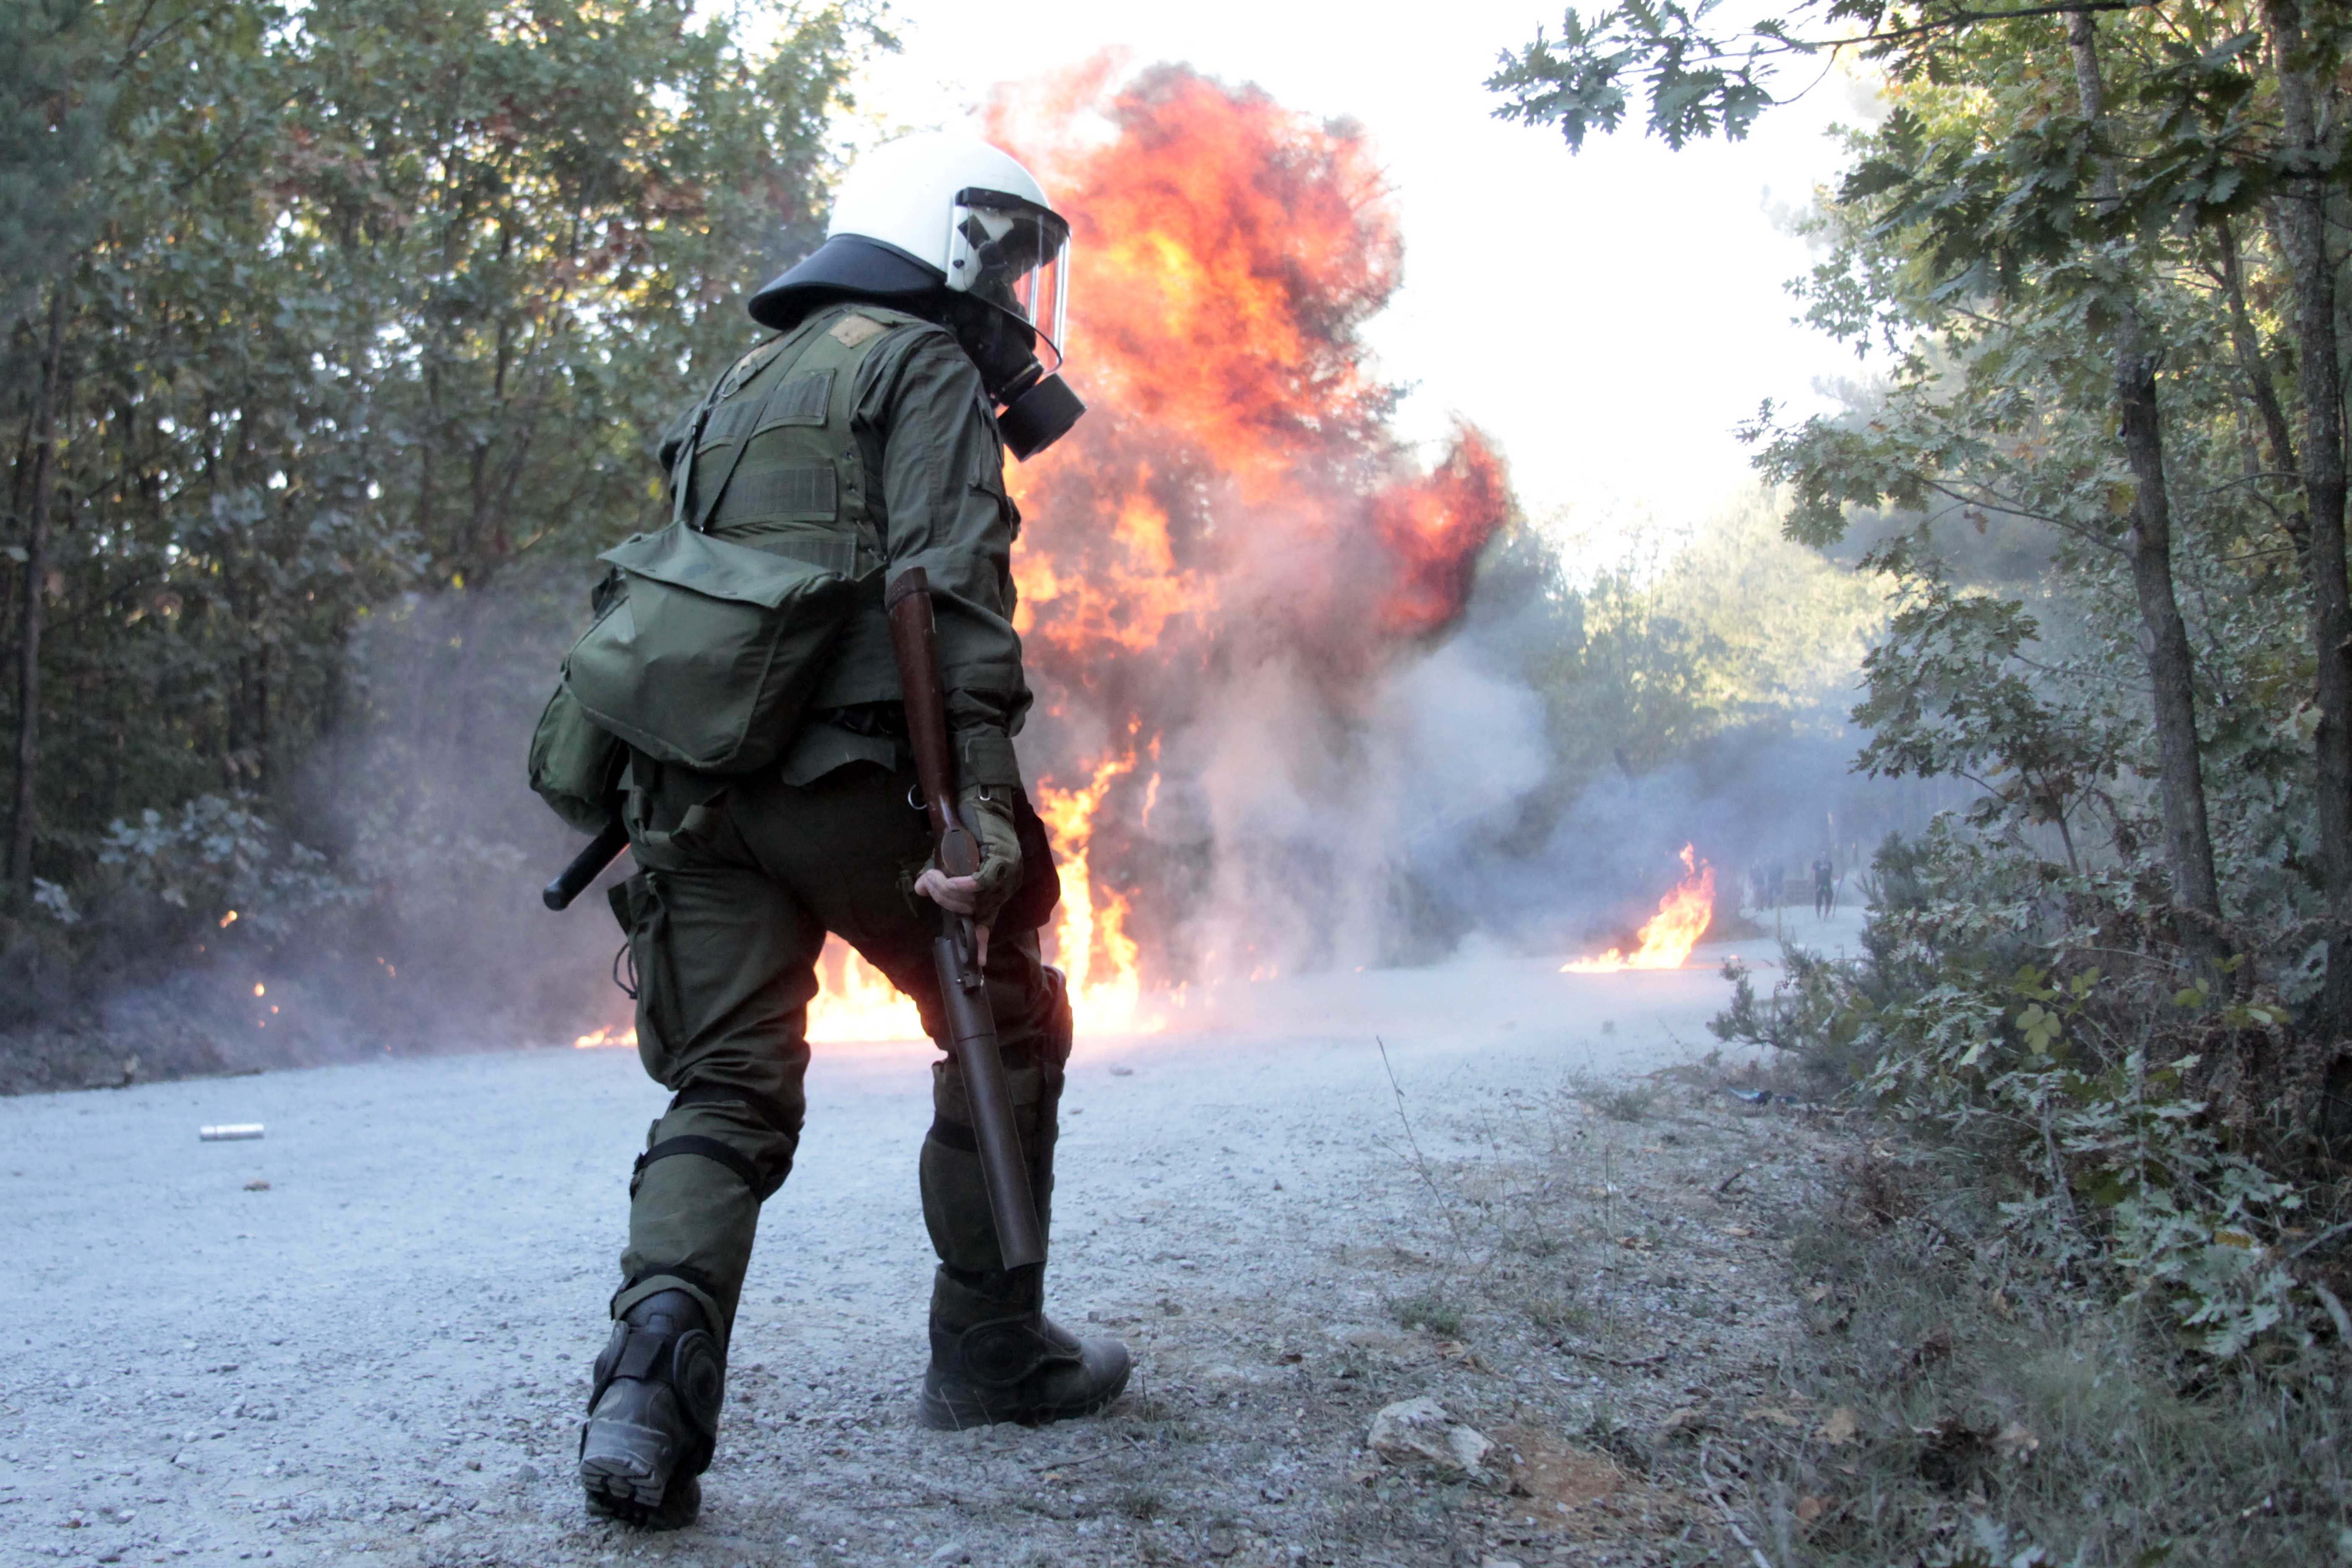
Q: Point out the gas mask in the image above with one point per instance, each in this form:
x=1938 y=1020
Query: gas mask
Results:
x=1035 y=409
x=1008 y=297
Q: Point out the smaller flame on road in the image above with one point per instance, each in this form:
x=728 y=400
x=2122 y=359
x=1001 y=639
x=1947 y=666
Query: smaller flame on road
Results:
x=854 y=1002
x=1667 y=941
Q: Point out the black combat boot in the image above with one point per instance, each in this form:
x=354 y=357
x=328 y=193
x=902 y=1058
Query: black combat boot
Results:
x=1017 y=1365
x=995 y=1356
x=653 y=1417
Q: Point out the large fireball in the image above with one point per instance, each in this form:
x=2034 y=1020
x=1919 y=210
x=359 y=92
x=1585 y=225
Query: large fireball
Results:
x=1223 y=558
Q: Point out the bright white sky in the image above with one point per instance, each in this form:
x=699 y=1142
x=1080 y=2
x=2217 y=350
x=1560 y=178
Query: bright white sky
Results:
x=1610 y=318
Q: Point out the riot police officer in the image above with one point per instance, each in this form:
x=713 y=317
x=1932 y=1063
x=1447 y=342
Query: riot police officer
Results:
x=867 y=434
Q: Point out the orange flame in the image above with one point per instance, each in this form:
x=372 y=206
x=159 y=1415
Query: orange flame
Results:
x=1238 y=449
x=1667 y=941
x=1090 y=941
x=1235 y=497
x=855 y=1001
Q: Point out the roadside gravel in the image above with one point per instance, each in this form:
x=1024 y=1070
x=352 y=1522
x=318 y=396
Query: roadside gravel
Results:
x=366 y=1338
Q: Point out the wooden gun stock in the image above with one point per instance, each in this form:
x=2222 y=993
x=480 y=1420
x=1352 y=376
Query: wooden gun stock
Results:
x=914 y=638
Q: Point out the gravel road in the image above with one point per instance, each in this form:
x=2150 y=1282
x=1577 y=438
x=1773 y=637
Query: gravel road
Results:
x=366 y=1338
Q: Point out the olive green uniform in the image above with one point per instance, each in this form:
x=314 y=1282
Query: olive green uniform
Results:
x=866 y=441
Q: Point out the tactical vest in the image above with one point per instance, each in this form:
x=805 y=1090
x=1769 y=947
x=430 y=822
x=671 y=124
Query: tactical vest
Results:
x=778 y=466
x=803 y=485
x=759 y=604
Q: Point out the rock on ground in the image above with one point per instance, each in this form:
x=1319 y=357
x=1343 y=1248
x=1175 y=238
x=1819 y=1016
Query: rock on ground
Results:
x=1419 y=1430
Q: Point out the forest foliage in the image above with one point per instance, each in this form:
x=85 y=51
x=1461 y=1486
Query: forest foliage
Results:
x=319 y=323
x=1660 y=640
x=2097 y=256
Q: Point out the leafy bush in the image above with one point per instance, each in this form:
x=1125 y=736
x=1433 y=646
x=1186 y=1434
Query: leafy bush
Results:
x=222 y=855
x=2003 y=1006
x=169 y=889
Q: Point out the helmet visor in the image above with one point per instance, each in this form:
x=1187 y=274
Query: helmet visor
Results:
x=1014 y=254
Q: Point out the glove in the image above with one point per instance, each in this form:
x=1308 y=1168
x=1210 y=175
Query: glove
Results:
x=987 y=813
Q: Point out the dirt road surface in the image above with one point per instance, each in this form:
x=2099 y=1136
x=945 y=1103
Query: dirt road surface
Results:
x=366 y=1338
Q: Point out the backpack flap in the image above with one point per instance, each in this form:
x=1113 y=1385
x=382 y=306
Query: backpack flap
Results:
x=708 y=657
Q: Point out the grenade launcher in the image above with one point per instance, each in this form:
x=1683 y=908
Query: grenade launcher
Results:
x=955 y=951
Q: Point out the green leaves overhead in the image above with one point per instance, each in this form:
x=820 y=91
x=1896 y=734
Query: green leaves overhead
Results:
x=1698 y=85
x=55 y=93
x=361 y=298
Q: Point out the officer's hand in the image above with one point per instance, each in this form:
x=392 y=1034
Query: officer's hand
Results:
x=960 y=894
x=987 y=813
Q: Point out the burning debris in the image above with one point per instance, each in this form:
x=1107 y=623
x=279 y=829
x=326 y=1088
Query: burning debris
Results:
x=1667 y=939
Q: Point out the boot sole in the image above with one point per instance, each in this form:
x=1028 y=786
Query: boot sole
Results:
x=622 y=1476
x=679 y=1506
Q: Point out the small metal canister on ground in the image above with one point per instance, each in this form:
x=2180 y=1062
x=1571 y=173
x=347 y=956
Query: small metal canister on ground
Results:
x=230 y=1133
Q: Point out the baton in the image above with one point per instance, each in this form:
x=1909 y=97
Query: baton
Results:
x=585 y=867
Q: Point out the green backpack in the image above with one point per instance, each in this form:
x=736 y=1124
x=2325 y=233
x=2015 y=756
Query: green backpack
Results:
x=705 y=651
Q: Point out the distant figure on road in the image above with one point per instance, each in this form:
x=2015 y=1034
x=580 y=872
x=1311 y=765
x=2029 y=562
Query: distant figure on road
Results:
x=1776 y=883
x=1824 y=886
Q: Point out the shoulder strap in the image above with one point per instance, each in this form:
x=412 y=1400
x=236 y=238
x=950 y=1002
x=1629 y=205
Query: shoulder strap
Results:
x=741 y=371
x=681 y=465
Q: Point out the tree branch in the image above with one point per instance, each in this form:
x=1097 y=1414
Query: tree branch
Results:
x=1965 y=18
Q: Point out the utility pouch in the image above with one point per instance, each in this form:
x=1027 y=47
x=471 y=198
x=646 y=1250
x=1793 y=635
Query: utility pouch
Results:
x=708 y=655
x=575 y=764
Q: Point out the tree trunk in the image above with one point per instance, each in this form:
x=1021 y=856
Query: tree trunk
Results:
x=2301 y=219
x=2255 y=366
x=265 y=738
x=2171 y=665
x=36 y=580
x=428 y=437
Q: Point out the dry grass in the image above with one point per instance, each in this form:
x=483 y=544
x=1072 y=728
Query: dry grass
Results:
x=1619 y=1099
x=1803 y=1320
x=1999 y=1411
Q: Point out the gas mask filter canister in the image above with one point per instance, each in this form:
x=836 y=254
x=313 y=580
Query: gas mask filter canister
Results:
x=1039 y=415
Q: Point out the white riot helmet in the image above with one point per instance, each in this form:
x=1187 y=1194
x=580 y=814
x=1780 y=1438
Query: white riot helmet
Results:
x=936 y=215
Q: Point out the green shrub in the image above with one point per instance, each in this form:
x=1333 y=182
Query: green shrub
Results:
x=1431 y=1310
x=1998 y=1010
